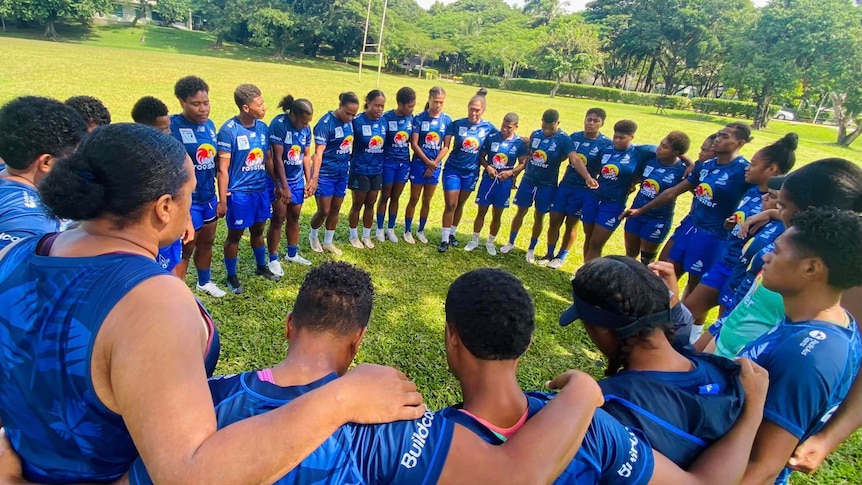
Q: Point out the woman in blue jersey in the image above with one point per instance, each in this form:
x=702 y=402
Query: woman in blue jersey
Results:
x=462 y=167
x=103 y=358
x=396 y=163
x=504 y=156
x=431 y=138
x=333 y=139
x=775 y=159
x=718 y=184
x=366 y=166
x=621 y=166
x=290 y=140
x=643 y=235
x=244 y=164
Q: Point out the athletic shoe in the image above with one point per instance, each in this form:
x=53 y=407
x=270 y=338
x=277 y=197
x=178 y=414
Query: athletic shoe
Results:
x=508 y=247
x=544 y=260
x=332 y=248
x=275 y=267
x=421 y=237
x=530 y=257
x=453 y=241
x=267 y=273
x=315 y=244
x=408 y=238
x=443 y=247
x=298 y=259
x=211 y=289
x=367 y=242
x=233 y=285
x=491 y=248
x=355 y=242
x=556 y=263
x=380 y=235
x=390 y=234
x=471 y=245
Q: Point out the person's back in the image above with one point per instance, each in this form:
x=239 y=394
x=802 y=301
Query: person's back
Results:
x=21 y=213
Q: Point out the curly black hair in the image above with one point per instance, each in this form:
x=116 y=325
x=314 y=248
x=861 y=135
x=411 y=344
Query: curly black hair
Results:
x=817 y=231
x=492 y=312
x=188 y=86
x=148 y=109
x=335 y=297
x=244 y=94
x=91 y=109
x=626 y=127
x=115 y=171
x=31 y=126
x=679 y=142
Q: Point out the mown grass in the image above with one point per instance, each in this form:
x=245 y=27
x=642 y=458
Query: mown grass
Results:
x=411 y=281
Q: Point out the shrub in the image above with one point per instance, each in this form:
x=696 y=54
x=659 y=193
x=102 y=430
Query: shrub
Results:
x=431 y=73
x=482 y=80
x=729 y=107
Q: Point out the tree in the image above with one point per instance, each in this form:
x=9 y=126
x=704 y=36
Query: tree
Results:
x=567 y=47
x=171 y=10
x=544 y=11
x=48 y=12
x=270 y=27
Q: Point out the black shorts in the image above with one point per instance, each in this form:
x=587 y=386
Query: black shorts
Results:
x=365 y=183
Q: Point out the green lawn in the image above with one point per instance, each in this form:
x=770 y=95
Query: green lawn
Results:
x=407 y=324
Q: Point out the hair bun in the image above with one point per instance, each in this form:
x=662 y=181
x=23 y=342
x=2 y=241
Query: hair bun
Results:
x=72 y=179
x=790 y=141
x=482 y=92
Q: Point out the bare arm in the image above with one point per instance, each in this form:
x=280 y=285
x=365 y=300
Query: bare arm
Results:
x=159 y=386
x=663 y=198
x=417 y=150
x=444 y=150
x=539 y=452
x=578 y=165
x=278 y=174
x=308 y=172
x=223 y=177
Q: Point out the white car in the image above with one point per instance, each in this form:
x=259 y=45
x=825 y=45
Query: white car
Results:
x=785 y=114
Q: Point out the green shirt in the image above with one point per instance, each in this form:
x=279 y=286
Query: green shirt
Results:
x=756 y=314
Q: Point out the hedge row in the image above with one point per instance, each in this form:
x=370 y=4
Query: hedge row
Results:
x=736 y=109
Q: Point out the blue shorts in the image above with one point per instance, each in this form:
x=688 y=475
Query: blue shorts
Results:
x=170 y=256
x=601 y=212
x=696 y=249
x=493 y=192
x=727 y=297
x=454 y=179
x=297 y=191
x=648 y=228
x=204 y=213
x=717 y=276
x=395 y=173
x=529 y=195
x=331 y=186
x=417 y=174
x=569 y=200
x=245 y=209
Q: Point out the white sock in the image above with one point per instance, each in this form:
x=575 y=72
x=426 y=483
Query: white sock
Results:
x=476 y=237
x=491 y=238
x=453 y=230
x=366 y=232
x=354 y=233
x=445 y=232
x=328 y=236
x=313 y=233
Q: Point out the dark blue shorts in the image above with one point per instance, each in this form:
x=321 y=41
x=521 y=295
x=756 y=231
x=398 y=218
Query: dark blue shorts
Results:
x=395 y=173
x=717 y=276
x=204 y=213
x=245 y=209
x=493 y=192
x=529 y=195
x=297 y=191
x=331 y=186
x=569 y=200
x=696 y=249
x=170 y=256
x=648 y=228
x=602 y=213
x=454 y=179
x=417 y=174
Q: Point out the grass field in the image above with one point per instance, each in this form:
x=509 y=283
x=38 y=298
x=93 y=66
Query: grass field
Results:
x=411 y=281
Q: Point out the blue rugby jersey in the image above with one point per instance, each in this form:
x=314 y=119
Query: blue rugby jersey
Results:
x=398 y=132
x=295 y=142
x=369 y=139
x=546 y=156
x=467 y=143
x=21 y=213
x=717 y=192
x=655 y=179
x=588 y=151
x=620 y=170
x=337 y=137
x=200 y=142
x=247 y=148
x=504 y=154
x=432 y=131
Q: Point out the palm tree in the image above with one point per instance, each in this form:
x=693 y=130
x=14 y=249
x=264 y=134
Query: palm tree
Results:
x=543 y=11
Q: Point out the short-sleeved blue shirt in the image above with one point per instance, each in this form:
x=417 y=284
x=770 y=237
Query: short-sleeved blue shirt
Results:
x=398 y=132
x=21 y=213
x=717 y=192
x=431 y=132
x=369 y=138
x=295 y=143
x=546 y=156
x=468 y=141
x=200 y=142
x=504 y=154
x=589 y=150
x=655 y=179
x=337 y=137
x=247 y=148
x=620 y=170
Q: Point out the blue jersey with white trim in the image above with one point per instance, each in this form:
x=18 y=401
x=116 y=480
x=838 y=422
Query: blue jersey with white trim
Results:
x=610 y=454
x=200 y=142
x=751 y=260
x=811 y=366
x=248 y=148
x=589 y=150
x=717 y=192
x=504 y=154
x=751 y=204
x=468 y=141
x=432 y=131
x=655 y=179
x=21 y=213
x=620 y=170
x=369 y=138
x=398 y=132
x=546 y=156
x=295 y=142
x=337 y=137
